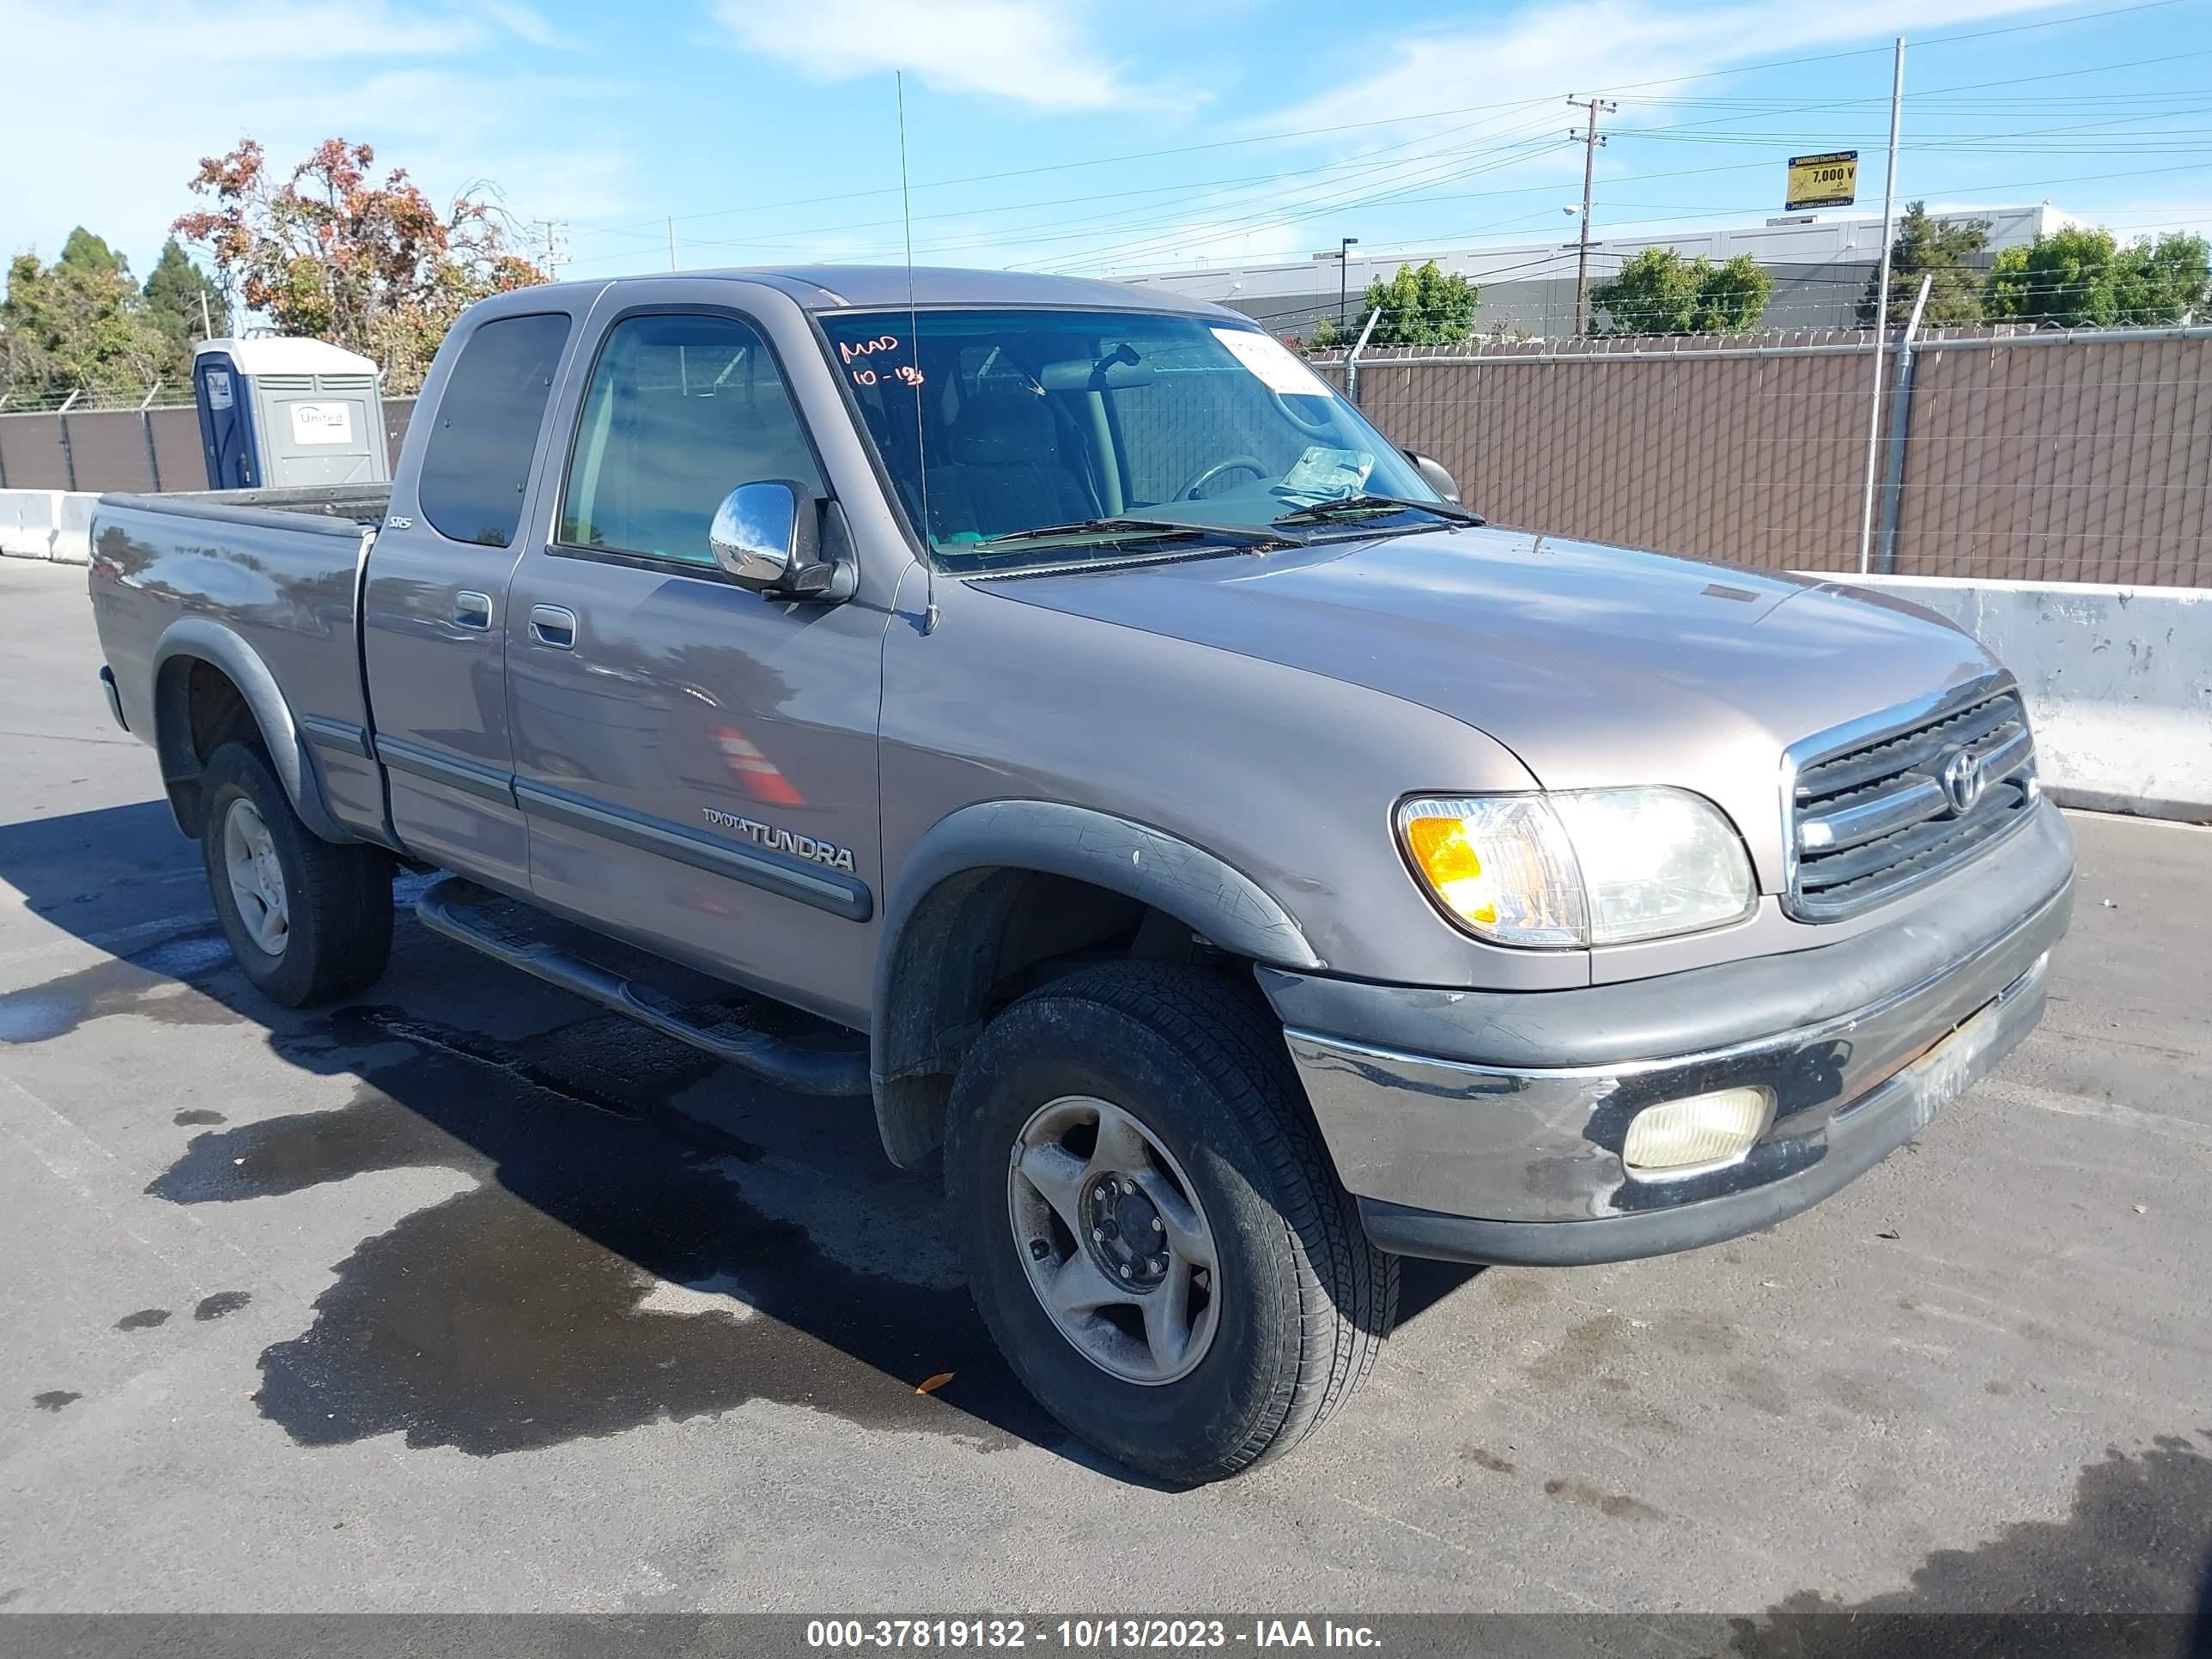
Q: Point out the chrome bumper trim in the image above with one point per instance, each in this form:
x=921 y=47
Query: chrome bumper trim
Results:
x=1544 y=1146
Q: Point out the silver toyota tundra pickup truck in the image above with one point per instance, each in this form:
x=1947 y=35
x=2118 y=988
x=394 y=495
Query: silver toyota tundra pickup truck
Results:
x=1240 y=864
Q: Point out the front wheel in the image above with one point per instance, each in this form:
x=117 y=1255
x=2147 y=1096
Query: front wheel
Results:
x=309 y=921
x=1154 y=1231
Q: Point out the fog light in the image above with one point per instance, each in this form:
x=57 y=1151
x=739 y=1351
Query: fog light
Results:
x=1696 y=1133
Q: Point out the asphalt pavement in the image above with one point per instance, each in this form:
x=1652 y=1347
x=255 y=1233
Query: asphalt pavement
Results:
x=467 y=1297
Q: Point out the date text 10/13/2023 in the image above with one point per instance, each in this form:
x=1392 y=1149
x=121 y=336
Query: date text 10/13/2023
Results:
x=1086 y=1635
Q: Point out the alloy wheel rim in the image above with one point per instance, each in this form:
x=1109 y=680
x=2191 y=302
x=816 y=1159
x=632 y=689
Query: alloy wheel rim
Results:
x=1113 y=1240
x=257 y=877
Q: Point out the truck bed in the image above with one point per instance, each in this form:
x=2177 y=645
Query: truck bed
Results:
x=261 y=586
x=361 y=504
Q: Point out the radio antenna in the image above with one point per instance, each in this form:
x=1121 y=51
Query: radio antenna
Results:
x=913 y=337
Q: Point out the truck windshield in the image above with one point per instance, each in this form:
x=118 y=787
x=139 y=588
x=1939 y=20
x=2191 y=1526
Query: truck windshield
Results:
x=1038 y=436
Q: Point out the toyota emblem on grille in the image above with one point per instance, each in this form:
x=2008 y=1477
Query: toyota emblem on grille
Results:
x=1962 y=780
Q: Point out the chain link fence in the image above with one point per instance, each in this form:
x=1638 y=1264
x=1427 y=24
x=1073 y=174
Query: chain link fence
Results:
x=2004 y=455
x=2022 y=455
x=149 y=445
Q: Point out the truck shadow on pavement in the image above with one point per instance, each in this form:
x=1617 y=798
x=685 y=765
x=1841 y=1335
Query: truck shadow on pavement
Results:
x=632 y=1232
x=2139 y=1538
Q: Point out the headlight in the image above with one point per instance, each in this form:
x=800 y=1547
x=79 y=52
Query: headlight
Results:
x=1592 y=866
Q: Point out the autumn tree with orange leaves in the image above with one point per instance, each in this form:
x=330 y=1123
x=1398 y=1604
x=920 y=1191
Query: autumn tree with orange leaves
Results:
x=327 y=252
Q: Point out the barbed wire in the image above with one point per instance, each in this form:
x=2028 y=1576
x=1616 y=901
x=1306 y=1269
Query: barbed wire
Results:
x=93 y=400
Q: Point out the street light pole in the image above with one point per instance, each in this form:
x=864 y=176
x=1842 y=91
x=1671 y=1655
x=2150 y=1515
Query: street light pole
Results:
x=1343 y=279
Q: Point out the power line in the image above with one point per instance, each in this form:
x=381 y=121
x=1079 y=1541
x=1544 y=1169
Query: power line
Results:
x=1139 y=235
x=1094 y=162
x=645 y=225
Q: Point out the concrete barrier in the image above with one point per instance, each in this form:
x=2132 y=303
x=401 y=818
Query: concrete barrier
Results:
x=2119 y=682
x=46 y=524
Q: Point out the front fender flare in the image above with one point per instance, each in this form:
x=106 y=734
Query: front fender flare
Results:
x=932 y=966
x=210 y=641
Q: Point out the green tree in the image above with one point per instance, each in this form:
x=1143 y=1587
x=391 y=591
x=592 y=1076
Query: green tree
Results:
x=78 y=324
x=1419 y=308
x=2166 y=281
x=85 y=252
x=1928 y=247
x=173 y=293
x=2081 y=278
x=1660 y=292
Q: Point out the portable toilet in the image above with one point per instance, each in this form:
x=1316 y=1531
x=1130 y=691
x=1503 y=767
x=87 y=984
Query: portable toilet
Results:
x=275 y=413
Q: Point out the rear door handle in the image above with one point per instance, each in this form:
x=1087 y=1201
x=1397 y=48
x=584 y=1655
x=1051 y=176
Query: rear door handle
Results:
x=553 y=625
x=472 y=609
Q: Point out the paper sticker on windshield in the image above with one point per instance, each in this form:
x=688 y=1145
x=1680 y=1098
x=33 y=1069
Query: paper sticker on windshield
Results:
x=1277 y=366
x=1327 y=475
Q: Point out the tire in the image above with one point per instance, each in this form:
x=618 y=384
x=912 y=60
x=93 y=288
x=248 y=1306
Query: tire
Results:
x=1298 y=1302
x=335 y=901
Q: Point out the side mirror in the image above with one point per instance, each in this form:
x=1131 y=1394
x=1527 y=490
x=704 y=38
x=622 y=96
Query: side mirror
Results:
x=1433 y=475
x=765 y=534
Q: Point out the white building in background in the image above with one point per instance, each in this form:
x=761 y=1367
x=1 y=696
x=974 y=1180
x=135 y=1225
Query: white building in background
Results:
x=1819 y=265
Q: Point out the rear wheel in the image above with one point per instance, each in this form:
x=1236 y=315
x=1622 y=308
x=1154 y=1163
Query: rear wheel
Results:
x=309 y=921
x=1153 y=1230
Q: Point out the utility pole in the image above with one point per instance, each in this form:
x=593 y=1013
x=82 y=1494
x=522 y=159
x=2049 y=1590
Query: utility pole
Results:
x=1343 y=266
x=1881 y=305
x=671 y=241
x=1593 y=107
x=557 y=252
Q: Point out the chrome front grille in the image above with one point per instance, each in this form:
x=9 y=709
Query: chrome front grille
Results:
x=1871 y=815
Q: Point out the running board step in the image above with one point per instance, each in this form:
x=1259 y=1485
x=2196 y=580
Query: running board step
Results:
x=444 y=908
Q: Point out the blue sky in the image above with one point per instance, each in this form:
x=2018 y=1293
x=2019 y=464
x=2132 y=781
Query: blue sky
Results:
x=1101 y=137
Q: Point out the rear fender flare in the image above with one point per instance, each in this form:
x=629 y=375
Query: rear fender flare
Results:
x=207 y=640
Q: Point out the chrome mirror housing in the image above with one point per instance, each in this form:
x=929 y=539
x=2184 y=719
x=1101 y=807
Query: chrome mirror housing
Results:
x=765 y=533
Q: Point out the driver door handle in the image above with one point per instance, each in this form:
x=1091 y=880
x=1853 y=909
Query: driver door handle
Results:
x=553 y=625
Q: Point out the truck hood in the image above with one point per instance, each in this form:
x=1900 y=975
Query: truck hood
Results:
x=1597 y=665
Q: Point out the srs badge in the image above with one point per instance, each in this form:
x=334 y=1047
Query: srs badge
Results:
x=781 y=840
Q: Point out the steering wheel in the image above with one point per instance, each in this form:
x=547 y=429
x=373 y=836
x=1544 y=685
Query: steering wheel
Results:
x=1251 y=464
x=1324 y=427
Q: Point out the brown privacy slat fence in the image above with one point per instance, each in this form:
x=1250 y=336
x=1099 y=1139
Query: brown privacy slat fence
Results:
x=2041 y=457
x=2074 y=458
x=124 y=449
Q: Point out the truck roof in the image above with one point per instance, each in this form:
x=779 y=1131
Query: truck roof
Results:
x=839 y=287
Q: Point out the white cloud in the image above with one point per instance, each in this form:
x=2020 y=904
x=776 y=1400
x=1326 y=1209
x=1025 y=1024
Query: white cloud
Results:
x=1599 y=46
x=1508 y=150
x=1027 y=52
x=178 y=81
x=524 y=22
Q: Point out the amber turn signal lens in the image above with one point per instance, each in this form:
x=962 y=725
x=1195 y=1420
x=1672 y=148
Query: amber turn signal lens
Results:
x=1452 y=866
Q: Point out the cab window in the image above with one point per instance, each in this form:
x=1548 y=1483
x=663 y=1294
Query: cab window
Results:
x=681 y=409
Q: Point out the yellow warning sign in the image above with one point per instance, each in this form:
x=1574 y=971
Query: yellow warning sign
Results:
x=1822 y=181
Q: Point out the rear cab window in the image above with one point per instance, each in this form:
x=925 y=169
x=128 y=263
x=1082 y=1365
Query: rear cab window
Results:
x=476 y=467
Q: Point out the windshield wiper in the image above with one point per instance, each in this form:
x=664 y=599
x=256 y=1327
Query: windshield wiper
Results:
x=1129 y=528
x=1360 y=507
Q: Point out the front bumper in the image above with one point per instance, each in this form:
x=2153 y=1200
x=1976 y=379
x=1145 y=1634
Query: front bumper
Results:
x=1476 y=1154
x=114 y=694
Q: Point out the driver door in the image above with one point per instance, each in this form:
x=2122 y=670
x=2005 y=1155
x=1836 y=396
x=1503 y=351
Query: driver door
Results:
x=698 y=763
